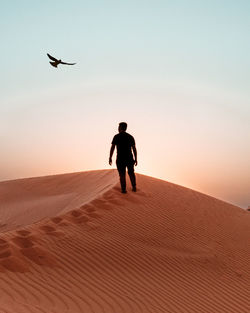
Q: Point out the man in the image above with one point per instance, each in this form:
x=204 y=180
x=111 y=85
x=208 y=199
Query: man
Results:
x=124 y=142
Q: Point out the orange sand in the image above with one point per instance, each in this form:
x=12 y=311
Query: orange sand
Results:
x=74 y=243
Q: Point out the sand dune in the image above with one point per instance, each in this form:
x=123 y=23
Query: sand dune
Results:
x=74 y=243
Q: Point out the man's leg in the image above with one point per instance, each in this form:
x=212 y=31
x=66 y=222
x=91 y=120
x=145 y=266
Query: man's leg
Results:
x=121 y=167
x=131 y=174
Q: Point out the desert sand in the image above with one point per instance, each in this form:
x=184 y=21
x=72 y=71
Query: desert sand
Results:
x=74 y=243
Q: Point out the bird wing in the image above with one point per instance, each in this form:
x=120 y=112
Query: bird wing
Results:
x=52 y=58
x=67 y=63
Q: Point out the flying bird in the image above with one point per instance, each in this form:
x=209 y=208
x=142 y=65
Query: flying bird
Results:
x=57 y=62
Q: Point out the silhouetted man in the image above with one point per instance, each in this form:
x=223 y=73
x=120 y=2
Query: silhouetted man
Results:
x=124 y=142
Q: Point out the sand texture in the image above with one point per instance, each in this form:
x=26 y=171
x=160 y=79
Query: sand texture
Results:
x=74 y=243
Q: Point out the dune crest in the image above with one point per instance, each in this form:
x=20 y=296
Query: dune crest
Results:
x=74 y=243
x=28 y=200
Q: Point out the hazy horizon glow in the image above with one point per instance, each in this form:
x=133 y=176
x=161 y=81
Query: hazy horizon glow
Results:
x=176 y=72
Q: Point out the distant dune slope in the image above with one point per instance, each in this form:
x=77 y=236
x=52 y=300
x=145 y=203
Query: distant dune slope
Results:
x=74 y=243
x=28 y=200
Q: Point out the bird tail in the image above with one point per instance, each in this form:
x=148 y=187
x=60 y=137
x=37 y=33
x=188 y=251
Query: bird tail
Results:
x=53 y=64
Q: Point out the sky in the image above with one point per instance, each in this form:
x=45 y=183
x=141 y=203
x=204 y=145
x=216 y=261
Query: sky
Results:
x=178 y=72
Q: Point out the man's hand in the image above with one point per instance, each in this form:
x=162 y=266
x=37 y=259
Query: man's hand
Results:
x=135 y=154
x=111 y=153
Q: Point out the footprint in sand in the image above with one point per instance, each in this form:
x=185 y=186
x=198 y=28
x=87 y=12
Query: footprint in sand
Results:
x=59 y=221
x=90 y=209
x=99 y=203
x=10 y=262
x=102 y=204
x=23 y=242
x=13 y=264
x=76 y=213
x=23 y=233
x=80 y=219
x=5 y=251
x=50 y=230
x=116 y=201
x=5 y=254
x=76 y=217
x=39 y=256
x=3 y=244
x=47 y=228
x=13 y=258
x=56 y=219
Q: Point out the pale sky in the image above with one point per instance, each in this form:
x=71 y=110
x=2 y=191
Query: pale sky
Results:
x=178 y=72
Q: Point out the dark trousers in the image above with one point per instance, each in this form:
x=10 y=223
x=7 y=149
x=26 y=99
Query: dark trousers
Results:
x=121 y=166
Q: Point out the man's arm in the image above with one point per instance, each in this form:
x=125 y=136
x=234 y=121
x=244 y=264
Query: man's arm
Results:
x=135 y=153
x=111 y=153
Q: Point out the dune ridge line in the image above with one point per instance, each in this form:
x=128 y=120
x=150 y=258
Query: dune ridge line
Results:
x=74 y=243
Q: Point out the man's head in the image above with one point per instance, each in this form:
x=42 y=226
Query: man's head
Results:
x=122 y=127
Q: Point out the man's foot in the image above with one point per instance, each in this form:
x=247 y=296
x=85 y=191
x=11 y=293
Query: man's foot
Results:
x=124 y=191
x=134 y=189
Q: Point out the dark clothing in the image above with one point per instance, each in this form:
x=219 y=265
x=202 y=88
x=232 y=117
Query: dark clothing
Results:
x=124 y=142
x=121 y=166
